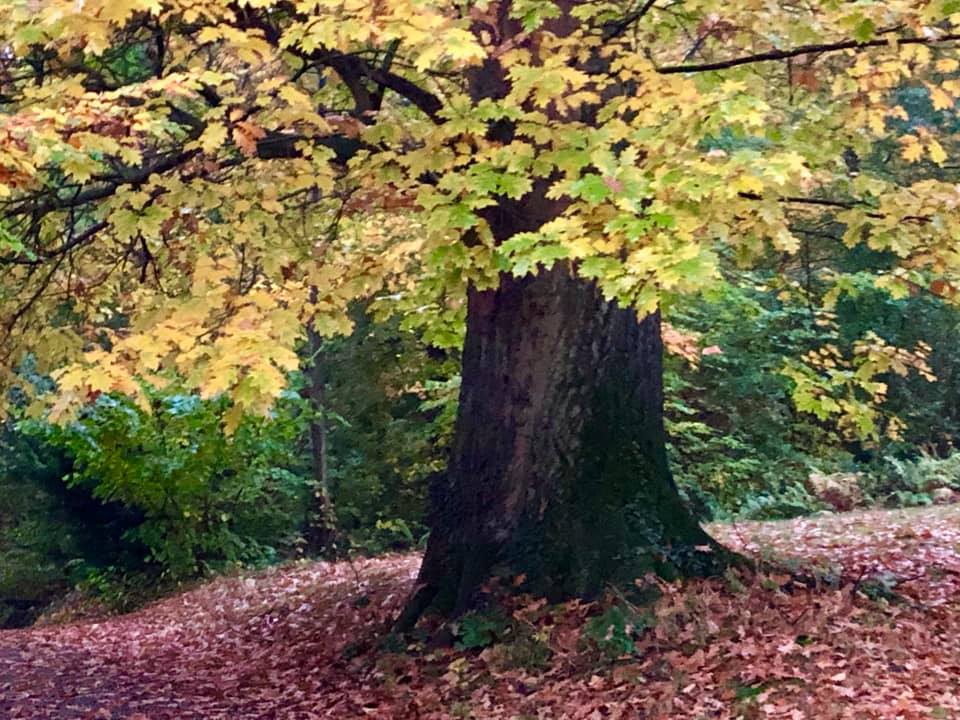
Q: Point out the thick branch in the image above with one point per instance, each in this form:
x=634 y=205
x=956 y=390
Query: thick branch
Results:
x=353 y=70
x=425 y=101
x=279 y=145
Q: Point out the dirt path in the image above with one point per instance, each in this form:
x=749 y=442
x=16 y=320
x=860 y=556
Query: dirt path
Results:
x=298 y=642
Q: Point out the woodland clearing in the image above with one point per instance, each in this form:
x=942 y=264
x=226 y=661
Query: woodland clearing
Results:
x=881 y=641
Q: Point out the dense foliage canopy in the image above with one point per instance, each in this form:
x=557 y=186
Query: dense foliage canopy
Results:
x=186 y=185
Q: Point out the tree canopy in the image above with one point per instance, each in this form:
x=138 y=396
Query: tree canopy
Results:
x=186 y=185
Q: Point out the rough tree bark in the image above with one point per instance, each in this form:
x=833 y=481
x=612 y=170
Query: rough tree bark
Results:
x=558 y=468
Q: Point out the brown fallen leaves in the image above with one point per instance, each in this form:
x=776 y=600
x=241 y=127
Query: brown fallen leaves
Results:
x=301 y=642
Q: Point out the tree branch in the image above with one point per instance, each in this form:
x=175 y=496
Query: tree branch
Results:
x=616 y=29
x=107 y=188
x=428 y=103
x=34 y=296
x=797 y=51
x=57 y=252
x=352 y=69
x=839 y=204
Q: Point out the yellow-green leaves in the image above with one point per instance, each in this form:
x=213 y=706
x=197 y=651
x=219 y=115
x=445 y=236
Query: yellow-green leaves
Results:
x=913 y=148
x=213 y=138
x=847 y=390
x=277 y=161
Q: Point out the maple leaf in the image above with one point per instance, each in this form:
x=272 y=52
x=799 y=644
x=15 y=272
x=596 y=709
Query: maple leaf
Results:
x=936 y=152
x=213 y=138
x=940 y=98
x=912 y=150
x=246 y=134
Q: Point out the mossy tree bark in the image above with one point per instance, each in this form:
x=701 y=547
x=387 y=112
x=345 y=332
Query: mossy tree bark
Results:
x=558 y=468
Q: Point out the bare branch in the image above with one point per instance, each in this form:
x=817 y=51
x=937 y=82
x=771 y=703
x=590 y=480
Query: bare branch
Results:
x=617 y=29
x=800 y=50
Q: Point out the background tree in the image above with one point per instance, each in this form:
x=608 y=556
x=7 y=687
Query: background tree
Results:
x=171 y=171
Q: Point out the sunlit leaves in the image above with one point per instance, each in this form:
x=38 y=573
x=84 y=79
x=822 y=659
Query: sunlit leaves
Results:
x=913 y=148
x=347 y=150
x=213 y=137
x=849 y=390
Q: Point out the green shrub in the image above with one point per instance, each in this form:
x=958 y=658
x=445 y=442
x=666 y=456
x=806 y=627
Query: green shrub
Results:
x=385 y=536
x=614 y=632
x=35 y=540
x=479 y=630
x=391 y=406
x=789 y=501
x=898 y=482
x=205 y=500
x=738 y=447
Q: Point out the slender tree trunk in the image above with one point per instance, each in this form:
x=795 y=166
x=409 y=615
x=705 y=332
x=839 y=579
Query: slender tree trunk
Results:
x=321 y=525
x=558 y=469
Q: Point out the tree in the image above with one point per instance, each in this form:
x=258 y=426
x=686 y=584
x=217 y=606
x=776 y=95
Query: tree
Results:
x=176 y=175
x=321 y=521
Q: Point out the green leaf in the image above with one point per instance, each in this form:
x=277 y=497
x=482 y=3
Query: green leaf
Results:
x=865 y=30
x=591 y=188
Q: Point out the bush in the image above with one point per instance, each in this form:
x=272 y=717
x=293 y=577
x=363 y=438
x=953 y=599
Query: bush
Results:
x=391 y=406
x=897 y=482
x=46 y=529
x=124 y=502
x=738 y=446
x=792 y=500
x=204 y=500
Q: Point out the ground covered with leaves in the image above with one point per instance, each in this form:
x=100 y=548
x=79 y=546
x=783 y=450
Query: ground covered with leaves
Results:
x=876 y=635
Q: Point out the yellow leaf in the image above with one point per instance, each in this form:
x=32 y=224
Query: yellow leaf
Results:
x=947 y=65
x=79 y=167
x=209 y=34
x=294 y=97
x=940 y=98
x=456 y=44
x=213 y=138
x=232 y=418
x=936 y=152
x=786 y=241
x=119 y=12
x=912 y=150
x=271 y=205
x=747 y=183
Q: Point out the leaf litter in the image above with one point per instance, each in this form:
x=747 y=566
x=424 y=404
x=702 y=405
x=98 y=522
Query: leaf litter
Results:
x=863 y=623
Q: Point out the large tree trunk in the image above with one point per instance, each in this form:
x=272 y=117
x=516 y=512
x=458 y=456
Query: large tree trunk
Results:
x=558 y=468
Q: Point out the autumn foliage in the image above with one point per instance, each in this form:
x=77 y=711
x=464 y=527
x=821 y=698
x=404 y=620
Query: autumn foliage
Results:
x=875 y=637
x=194 y=194
x=195 y=168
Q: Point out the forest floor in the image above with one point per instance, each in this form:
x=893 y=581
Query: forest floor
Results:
x=301 y=642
